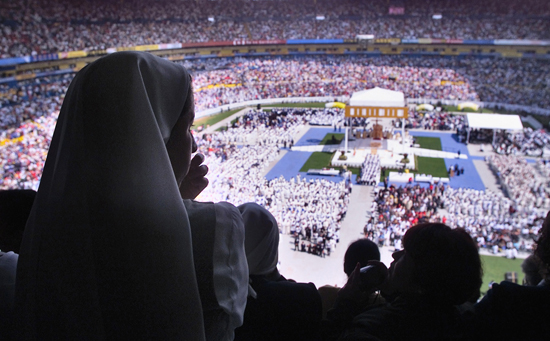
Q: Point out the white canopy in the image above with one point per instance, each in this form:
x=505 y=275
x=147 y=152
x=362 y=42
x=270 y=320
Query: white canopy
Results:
x=494 y=121
x=377 y=97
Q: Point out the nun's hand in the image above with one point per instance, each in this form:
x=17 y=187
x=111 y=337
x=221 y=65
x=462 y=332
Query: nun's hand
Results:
x=194 y=182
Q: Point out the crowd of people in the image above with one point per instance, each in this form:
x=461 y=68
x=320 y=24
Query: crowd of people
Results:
x=492 y=219
x=237 y=167
x=395 y=209
x=528 y=142
x=221 y=81
x=370 y=171
x=255 y=78
x=499 y=80
x=438 y=120
x=524 y=184
x=495 y=221
x=40 y=27
x=23 y=151
x=121 y=178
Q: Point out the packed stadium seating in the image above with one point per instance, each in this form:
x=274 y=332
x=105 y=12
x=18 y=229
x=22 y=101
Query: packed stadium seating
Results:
x=40 y=27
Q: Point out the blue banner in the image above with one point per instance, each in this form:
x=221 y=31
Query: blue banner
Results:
x=314 y=41
x=44 y=57
x=14 y=61
x=478 y=42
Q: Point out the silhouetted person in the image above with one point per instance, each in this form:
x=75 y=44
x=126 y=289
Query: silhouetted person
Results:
x=277 y=309
x=107 y=250
x=513 y=312
x=15 y=207
x=438 y=269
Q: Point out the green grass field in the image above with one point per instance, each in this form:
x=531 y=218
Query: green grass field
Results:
x=425 y=165
x=328 y=137
x=319 y=160
x=430 y=165
x=296 y=105
x=210 y=120
x=495 y=267
x=433 y=143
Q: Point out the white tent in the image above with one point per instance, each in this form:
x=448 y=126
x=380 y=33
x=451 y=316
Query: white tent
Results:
x=494 y=122
x=377 y=97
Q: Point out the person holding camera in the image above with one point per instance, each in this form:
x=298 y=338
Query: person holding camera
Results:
x=438 y=269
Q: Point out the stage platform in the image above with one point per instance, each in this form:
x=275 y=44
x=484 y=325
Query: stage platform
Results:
x=356 y=157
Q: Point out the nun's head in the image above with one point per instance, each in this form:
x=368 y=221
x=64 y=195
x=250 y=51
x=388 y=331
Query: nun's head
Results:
x=261 y=239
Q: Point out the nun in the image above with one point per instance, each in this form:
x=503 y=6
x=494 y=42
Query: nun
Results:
x=107 y=250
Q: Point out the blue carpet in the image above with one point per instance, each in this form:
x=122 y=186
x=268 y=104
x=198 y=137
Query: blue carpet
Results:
x=470 y=178
x=314 y=136
x=289 y=166
x=449 y=142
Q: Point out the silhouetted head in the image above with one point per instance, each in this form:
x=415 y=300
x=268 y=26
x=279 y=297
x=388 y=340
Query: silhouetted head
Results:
x=261 y=242
x=532 y=267
x=543 y=245
x=438 y=262
x=360 y=251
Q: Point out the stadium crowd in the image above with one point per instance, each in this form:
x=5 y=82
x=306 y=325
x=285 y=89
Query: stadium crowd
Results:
x=528 y=142
x=229 y=81
x=493 y=220
x=370 y=171
x=40 y=27
x=524 y=184
x=439 y=120
x=395 y=209
x=125 y=182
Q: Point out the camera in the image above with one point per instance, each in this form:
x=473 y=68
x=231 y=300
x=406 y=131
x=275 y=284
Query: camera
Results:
x=371 y=277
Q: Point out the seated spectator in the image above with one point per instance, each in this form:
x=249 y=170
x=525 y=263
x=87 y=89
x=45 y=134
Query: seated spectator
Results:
x=15 y=207
x=360 y=251
x=532 y=268
x=220 y=265
x=438 y=269
x=218 y=252
x=277 y=309
x=513 y=312
x=107 y=248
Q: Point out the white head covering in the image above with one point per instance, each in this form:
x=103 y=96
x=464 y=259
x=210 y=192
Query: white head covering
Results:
x=107 y=249
x=261 y=241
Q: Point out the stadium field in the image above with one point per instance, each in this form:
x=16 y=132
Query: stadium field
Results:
x=210 y=120
x=297 y=105
x=495 y=267
x=328 y=138
x=432 y=166
x=433 y=143
x=319 y=160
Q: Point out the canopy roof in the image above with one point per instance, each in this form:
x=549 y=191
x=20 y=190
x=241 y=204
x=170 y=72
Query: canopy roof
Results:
x=494 y=121
x=377 y=97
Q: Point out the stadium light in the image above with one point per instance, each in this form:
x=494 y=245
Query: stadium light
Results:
x=437 y=16
x=320 y=17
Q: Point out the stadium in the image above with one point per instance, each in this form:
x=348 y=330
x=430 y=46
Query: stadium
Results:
x=342 y=119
